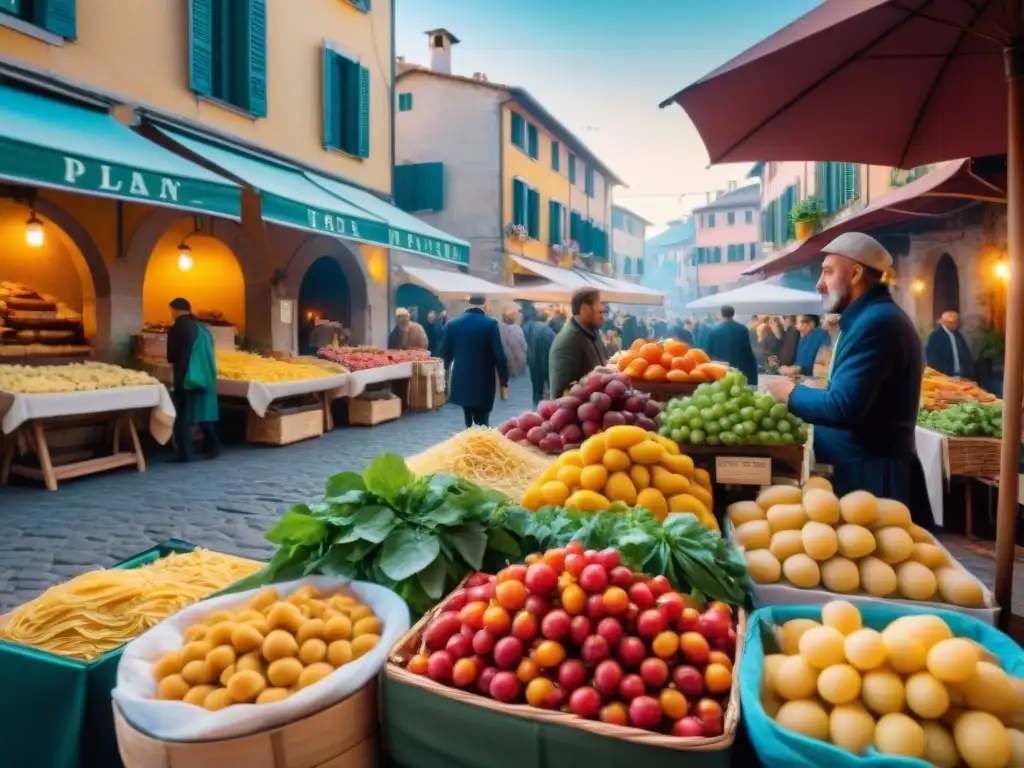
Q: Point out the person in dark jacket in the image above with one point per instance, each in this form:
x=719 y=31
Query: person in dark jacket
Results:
x=790 y=341
x=946 y=350
x=578 y=348
x=812 y=338
x=472 y=351
x=864 y=419
x=729 y=342
x=543 y=337
x=190 y=354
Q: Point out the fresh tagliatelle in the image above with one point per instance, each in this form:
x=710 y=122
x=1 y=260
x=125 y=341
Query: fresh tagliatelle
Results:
x=102 y=610
x=483 y=456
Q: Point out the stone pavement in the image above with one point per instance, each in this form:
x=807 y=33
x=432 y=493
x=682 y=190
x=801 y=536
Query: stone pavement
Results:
x=227 y=504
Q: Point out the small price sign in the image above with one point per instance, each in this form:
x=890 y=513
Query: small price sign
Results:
x=743 y=470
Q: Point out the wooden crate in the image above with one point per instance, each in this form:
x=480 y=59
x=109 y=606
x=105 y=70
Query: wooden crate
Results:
x=663 y=391
x=368 y=411
x=223 y=336
x=284 y=426
x=341 y=736
x=427 y=392
x=973 y=456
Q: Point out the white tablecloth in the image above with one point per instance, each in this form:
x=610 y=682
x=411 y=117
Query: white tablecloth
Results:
x=358 y=381
x=934 y=456
x=16 y=409
x=261 y=395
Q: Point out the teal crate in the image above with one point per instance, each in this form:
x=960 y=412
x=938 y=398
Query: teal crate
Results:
x=56 y=712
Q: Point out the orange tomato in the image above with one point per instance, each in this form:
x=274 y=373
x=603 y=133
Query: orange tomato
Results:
x=714 y=371
x=676 y=376
x=625 y=359
x=666 y=360
x=675 y=347
x=635 y=369
x=635 y=346
x=655 y=373
x=685 y=364
x=698 y=377
x=699 y=355
x=651 y=352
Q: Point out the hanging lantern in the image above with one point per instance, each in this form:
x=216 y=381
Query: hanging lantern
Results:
x=184 y=258
x=34 y=235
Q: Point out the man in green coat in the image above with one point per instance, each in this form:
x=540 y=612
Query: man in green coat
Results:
x=191 y=355
x=578 y=348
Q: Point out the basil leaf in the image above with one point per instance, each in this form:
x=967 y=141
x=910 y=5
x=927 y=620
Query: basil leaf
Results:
x=431 y=578
x=297 y=526
x=347 y=499
x=344 y=482
x=407 y=551
x=470 y=541
x=333 y=563
x=446 y=515
x=387 y=476
x=503 y=542
x=371 y=523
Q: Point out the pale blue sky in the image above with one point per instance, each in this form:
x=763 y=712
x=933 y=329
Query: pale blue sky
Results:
x=603 y=67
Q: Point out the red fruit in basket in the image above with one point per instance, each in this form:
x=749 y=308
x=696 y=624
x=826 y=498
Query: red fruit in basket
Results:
x=561 y=418
x=590 y=428
x=585 y=702
x=614 y=713
x=440 y=630
x=641 y=595
x=650 y=623
x=689 y=681
x=631 y=651
x=497 y=621
x=580 y=628
x=616 y=601
x=516 y=435
x=464 y=673
x=611 y=630
x=707 y=708
x=508 y=652
x=572 y=673
x=713 y=624
x=439 y=667
x=459 y=646
x=455 y=601
x=632 y=404
x=688 y=621
x=483 y=642
x=575 y=562
x=630 y=687
x=654 y=673
x=588 y=412
x=728 y=643
x=671 y=605
x=418 y=664
x=610 y=559
x=591 y=555
x=552 y=443
x=694 y=647
x=528 y=420
x=607 y=676
x=687 y=728
x=594 y=579
x=594 y=650
x=556 y=625
x=507 y=425
x=620 y=576
x=712 y=726
x=613 y=419
x=595 y=607
x=659 y=585
x=616 y=390
x=483 y=680
x=541 y=579
x=652 y=409
x=524 y=626
x=483 y=593
x=468 y=631
x=571 y=434
x=536 y=434
x=545 y=408
x=645 y=712
x=472 y=614
x=538 y=605
x=601 y=400
x=505 y=686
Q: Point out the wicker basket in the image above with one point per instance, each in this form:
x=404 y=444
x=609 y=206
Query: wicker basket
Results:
x=663 y=391
x=973 y=456
x=341 y=736
x=284 y=426
x=409 y=644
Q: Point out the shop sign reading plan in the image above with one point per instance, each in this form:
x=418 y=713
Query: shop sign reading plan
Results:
x=120 y=181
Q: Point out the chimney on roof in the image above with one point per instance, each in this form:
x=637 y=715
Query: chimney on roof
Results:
x=440 y=42
x=718 y=193
x=480 y=77
x=732 y=186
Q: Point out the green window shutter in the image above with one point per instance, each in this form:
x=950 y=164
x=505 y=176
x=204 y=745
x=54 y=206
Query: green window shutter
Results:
x=533 y=213
x=850 y=179
x=11 y=6
x=404 y=102
x=363 y=123
x=256 y=50
x=200 y=45
x=405 y=176
x=517 y=130
x=554 y=222
x=432 y=177
x=572 y=168
x=627 y=266
x=574 y=227
x=820 y=183
x=533 y=141
x=332 y=99
x=556 y=149
x=518 y=202
x=57 y=16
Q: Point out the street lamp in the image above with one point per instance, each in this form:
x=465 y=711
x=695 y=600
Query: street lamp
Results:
x=34 y=235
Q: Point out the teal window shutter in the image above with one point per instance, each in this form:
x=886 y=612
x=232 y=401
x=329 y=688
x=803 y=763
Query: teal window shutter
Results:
x=572 y=168
x=588 y=181
x=404 y=102
x=57 y=16
x=11 y=6
x=627 y=266
x=404 y=192
x=575 y=221
x=332 y=98
x=518 y=202
x=200 y=45
x=820 y=183
x=363 y=112
x=554 y=222
x=556 y=159
x=533 y=141
x=730 y=218
x=257 y=57
x=432 y=176
x=711 y=221
x=517 y=131
x=533 y=213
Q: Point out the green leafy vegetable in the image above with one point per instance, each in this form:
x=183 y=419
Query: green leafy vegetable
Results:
x=965 y=420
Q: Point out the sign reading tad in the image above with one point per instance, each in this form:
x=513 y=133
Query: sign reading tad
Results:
x=743 y=470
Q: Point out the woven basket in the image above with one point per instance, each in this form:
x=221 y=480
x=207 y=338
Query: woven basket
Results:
x=409 y=645
x=973 y=456
x=663 y=391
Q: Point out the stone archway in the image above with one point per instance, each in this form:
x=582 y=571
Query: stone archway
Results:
x=91 y=265
x=356 y=275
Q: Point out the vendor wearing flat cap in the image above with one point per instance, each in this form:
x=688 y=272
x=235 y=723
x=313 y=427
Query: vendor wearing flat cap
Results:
x=864 y=419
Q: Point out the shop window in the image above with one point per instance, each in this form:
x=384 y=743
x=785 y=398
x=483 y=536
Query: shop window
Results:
x=346 y=104
x=419 y=187
x=56 y=16
x=228 y=52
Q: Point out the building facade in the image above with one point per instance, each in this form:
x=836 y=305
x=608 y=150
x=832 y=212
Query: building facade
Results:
x=511 y=179
x=629 y=235
x=292 y=111
x=668 y=264
x=727 y=238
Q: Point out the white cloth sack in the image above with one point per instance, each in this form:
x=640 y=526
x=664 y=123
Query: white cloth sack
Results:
x=178 y=721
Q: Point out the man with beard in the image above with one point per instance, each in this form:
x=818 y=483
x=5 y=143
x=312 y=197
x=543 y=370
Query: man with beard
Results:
x=578 y=348
x=864 y=420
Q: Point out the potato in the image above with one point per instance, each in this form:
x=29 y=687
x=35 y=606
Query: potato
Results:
x=806 y=717
x=314 y=674
x=246 y=638
x=219 y=698
x=285 y=672
x=368 y=625
x=897 y=734
x=877 y=578
x=172 y=688
x=339 y=653
x=927 y=697
x=855 y=541
x=889 y=512
x=791 y=632
x=763 y=566
x=957 y=588
x=802 y=571
x=821 y=506
x=819 y=540
x=919 y=534
x=744 y=511
x=197 y=695
x=168 y=665
x=312 y=651
x=246 y=686
x=279 y=644
x=755 y=534
x=816 y=482
x=272 y=695
x=983 y=742
x=285 y=616
x=220 y=633
x=364 y=644
x=840 y=575
x=786 y=517
x=859 y=508
x=914 y=581
x=894 y=545
x=851 y=727
x=310 y=629
x=779 y=494
x=930 y=556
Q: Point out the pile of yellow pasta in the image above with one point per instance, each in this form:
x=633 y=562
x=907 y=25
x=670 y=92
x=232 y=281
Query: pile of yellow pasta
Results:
x=486 y=457
x=246 y=366
x=102 y=610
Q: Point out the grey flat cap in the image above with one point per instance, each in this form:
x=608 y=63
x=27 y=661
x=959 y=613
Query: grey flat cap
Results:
x=863 y=249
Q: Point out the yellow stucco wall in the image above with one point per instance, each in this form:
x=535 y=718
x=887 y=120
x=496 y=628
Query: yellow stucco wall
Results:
x=139 y=51
x=537 y=174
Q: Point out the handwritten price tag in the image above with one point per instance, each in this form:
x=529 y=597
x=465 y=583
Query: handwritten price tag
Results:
x=743 y=470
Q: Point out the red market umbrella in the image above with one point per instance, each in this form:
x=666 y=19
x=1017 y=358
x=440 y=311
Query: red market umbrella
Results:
x=891 y=82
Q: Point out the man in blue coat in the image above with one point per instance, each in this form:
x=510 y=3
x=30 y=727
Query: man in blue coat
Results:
x=812 y=338
x=729 y=342
x=864 y=420
x=472 y=352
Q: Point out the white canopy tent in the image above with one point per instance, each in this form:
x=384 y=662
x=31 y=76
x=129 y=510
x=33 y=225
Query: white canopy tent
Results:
x=561 y=283
x=763 y=298
x=450 y=285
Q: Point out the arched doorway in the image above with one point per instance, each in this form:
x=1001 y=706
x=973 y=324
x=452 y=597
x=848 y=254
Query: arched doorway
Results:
x=417 y=297
x=208 y=274
x=946 y=291
x=324 y=294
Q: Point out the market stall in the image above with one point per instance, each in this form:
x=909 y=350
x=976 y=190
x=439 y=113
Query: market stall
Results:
x=38 y=325
x=38 y=401
x=762 y=298
x=558 y=284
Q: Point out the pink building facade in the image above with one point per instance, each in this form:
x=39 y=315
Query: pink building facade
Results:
x=728 y=237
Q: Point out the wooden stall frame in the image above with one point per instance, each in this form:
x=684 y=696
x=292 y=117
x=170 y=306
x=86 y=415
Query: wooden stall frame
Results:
x=34 y=434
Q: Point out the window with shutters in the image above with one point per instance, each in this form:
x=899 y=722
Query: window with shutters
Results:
x=627 y=266
x=640 y=267
x=711 y=220
x=556 y=156
x=404 y=102
x=555 y=226
x=346 y=104
x=576 y=228
x=588 y=181
x=748 y=217
x=532 y=141
x=419 y=187
x=836 y=184
x=730 y=218
x=753 y=251
x=520 y=193
x=572 y=168
x=228 y=52
x=533 y=213
x=55 y=16
x=518 y=130
x=736 y=252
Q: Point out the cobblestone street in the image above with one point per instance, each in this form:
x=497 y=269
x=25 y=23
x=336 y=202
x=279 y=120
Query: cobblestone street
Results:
x=225 y=504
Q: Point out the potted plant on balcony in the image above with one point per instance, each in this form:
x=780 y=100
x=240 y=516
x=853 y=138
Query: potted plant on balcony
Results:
x=806 y=217
x=517 y=232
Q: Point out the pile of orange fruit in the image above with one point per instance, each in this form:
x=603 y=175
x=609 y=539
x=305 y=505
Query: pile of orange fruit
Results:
x=669 y=360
